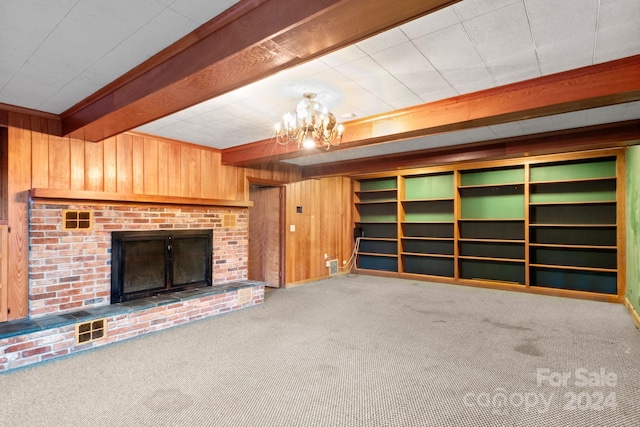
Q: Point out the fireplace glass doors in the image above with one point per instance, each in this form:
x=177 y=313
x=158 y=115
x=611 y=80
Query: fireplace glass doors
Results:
x=145 y=263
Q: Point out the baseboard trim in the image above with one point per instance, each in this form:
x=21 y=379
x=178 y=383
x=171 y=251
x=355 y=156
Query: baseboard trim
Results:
x=633 y=312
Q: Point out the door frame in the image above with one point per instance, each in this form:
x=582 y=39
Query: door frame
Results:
x=282 y=236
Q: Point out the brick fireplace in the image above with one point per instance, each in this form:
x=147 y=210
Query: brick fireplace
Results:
x=71 y=269
x=70 y=278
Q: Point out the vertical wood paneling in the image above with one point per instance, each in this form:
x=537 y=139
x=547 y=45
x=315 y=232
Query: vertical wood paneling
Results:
x=163 y=168
x=174 y=170
x=19 y=183
x=110 y=172
x=215 y=185
x=94 y=166
x=150 y=166
x=190 y=166
x=59 y=163
x=77 y=164
x=138 y=164
x=39 y=152
x=206 y=163
x=124 y=164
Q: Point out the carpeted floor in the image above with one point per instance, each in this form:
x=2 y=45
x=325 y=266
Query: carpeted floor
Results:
x=354 y=351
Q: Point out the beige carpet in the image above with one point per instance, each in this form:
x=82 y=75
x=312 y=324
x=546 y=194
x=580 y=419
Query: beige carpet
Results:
x=354 y=351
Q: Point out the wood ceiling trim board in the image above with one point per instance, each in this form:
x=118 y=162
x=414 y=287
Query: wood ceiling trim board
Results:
x=587 y=138
x=235 y=54
x=589 y=87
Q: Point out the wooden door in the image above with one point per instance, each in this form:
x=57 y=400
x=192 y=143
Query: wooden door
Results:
x=3 y=271
x=265 y=235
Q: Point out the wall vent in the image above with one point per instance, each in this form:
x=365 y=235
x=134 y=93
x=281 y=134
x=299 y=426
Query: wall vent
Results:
x=93 y=330
x=77 y=220
x=229 y=220
x=333 y=267
x=244 y=295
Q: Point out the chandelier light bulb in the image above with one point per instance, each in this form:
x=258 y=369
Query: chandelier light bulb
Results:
x=310 y=126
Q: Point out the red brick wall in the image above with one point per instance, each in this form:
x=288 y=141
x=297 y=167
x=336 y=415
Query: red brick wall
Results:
x=71 y=270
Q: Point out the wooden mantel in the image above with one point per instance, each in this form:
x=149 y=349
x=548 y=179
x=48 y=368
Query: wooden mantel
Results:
x=54 y=194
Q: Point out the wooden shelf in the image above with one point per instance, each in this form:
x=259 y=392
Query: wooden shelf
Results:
x=444 y=199
x=564 y=181
x=490 y=240
x=584 y=202
x=98 y=196
x=480 y=258
x=568 y=246
x=491 y=219
x=501 y=184
x=574 y=225
x=376 y=202
x=446 y=239
x=428 y=255
x=376 y=222
x=386 y=190
x=573 y=267
x=378 y=254
x=427 y=222
x=379 y=239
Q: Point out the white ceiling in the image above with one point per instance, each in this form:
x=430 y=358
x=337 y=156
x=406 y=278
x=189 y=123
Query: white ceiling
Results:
x=55 y=53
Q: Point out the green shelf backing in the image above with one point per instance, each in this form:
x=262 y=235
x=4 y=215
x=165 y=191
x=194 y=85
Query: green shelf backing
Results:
x=492 y=249
x=428 y=265
x=379 y=196
x=595 y=258
x=380 y=231
x=379 y=263
x=492 y=202
x=492 y=176
x=583 y=169
x=595 y=236
x=436 y=210
x=574 y=192
x=428 y=230
x=440 y=247
x=379 y=184
x=500 y=230
x=379 y=247
x=573 y=214
x=378 y=212
x=576 y=280
x=437 y=186
x=492 y=270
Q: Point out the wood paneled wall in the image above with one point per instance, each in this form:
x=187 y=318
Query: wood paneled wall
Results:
x=128 y=164
x=324 y=226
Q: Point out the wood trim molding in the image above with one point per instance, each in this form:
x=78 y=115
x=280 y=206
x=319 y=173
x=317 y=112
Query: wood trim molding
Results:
x=589 y=87
x=634 y=314
x=254 y=40
x=53 y=194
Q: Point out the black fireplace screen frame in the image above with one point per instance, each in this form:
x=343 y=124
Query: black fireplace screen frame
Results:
x=157 y=260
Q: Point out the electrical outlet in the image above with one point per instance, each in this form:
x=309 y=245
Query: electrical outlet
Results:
x=327 y=264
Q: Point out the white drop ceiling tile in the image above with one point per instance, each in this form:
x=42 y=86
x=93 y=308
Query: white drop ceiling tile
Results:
x=553 y=21
x=501 y=33
x=574 y=50
x=519 y=64
x=361 y=68
x=517 y=76
x=404 y=61
x=536 y=125
x=430 y=23
x=451 y=52
x=632 y=111
x=506 y=130
x=432 y=96
x=617 y=42
x=200 y=11
x=383 y=41
x=409 y=101
x=471 y=8
x=617 y=13
x=475 y=86
x=570 y=120
x=566 y=64
x=429 y=83
x=609 y=114
x=342 y=56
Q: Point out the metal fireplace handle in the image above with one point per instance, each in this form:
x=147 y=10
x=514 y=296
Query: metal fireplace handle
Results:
x=169 y=248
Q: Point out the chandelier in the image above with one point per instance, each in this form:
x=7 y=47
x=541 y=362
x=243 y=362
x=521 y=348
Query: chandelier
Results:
x=310 y=126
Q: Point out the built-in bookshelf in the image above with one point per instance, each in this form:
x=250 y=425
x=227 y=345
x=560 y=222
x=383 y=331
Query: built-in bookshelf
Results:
x=546 y=224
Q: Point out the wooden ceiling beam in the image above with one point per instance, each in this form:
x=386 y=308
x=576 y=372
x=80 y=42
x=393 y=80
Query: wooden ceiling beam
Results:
x=589 y=87
x=252 y=40
x=586 y=138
